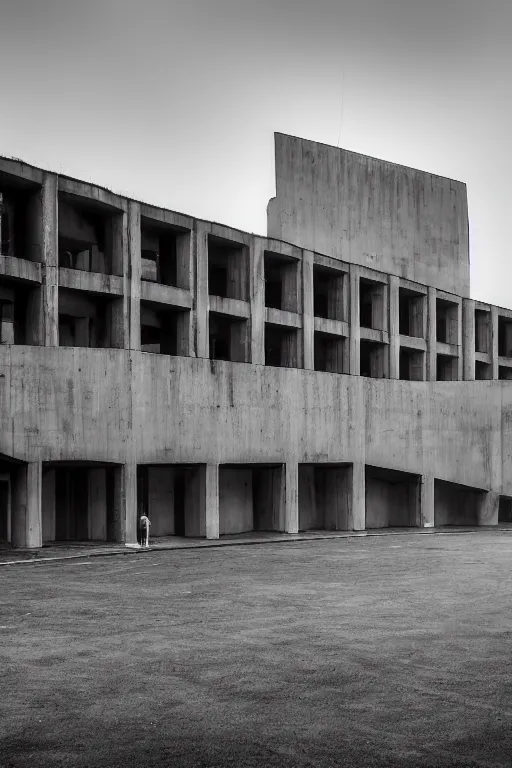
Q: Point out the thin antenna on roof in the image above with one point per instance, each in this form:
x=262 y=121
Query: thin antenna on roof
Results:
x=342 y=105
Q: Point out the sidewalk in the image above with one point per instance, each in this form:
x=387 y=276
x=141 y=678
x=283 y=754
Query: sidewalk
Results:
x=74 y=550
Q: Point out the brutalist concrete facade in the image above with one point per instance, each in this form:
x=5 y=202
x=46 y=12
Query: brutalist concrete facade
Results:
x=332 y=375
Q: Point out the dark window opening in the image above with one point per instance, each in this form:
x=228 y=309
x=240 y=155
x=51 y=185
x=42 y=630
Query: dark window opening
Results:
x=228 y=338
x=446 y=322
x=373 y=359
x=328 y=293
x=447 y=368
x=227 y=270
x=165 y=255
x=504 y=337
x=20 y=209
x=504 y=373
x=411 y=365
x=410 y=310
x=483 y=371
x=329 y=353
x=281 y=289
x=482 y=331
x=281 y=346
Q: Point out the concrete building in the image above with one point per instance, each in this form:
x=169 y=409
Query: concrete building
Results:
x=332 y=375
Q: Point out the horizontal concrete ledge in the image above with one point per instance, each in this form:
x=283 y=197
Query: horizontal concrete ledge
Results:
x=80 y=551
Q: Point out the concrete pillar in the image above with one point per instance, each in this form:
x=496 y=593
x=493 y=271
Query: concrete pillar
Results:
x=468 y=339
x=308 y=310
x=431 y=335
x=289 y=517
x=27 y=528
x=357 y=515
x=257 y=300
x=494 y=342
x=48 y=505
x=125 y=504
x=97 y=504
x=211 y=500
x=134 y=256
x=202 y=298
x=50 y=286
x=427 y=501
x=117 y=236
x=355 y=328
x=394 y=328
x=185 y=270
x=488 y=509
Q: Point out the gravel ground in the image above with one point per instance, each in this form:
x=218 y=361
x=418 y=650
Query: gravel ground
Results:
x=379 y=651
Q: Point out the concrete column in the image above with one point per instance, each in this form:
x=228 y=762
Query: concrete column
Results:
x=117 y=232
x=186 y=270
x=427 y=501
x=257 y=300
x=494 y=342
x=27 y=517
x=357 y=514
x=468 y=339
x=488 y=509
x=48 y=505
x=201 y=293
x=431 y=335
x=97 y=504
x=355 y=328
x=50 y=286
x=211 y=500
x=125 y=504
x=134 y=257
x=460 y=343
x=308 y=310
x=394 y=328
x=289 y=517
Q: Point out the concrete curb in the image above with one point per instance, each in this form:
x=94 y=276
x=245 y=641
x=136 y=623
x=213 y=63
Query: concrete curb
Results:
x=212 y=544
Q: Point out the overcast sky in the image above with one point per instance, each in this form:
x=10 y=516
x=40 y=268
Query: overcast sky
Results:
x=175 y=101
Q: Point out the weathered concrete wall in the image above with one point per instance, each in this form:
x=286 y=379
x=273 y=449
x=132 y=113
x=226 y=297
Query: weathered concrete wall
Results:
x=455 y=505
x=372 y=213
x=235 y=500
x=161 y=500
x=129 y=407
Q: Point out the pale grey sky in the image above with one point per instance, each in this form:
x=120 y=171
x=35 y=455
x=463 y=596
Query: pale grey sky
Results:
x=176 y=101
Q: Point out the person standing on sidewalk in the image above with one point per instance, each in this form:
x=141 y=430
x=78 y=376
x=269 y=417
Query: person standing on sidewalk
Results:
x=144 y=523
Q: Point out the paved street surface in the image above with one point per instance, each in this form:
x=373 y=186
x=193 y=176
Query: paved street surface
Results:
x=388 y=651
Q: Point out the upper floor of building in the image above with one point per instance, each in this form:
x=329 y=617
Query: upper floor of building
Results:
x=81 y=266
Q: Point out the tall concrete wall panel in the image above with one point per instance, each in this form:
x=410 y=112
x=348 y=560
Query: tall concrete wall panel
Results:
x=372 y=213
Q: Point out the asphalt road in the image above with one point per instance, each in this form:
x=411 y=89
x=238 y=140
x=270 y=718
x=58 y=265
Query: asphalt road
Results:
x=378 y=651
